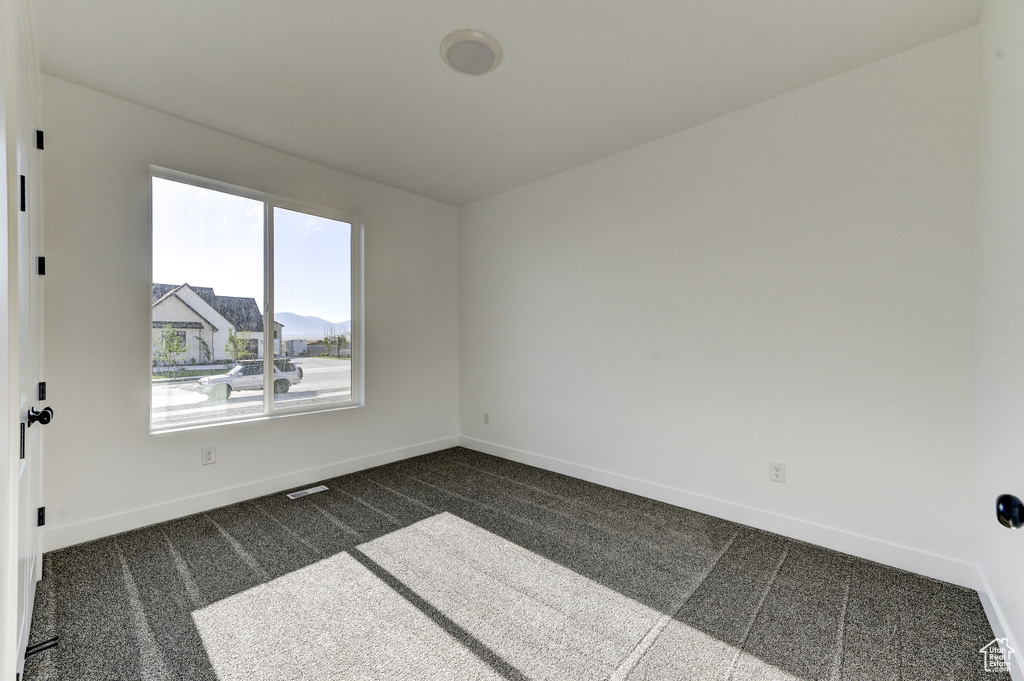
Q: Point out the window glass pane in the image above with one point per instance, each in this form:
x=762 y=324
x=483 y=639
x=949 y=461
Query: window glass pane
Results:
x=207 y=305
x=312 y=309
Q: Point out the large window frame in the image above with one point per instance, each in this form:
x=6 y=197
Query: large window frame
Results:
x=270 y=203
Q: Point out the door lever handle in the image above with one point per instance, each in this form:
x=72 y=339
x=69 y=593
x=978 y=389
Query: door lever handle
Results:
x=43 y=417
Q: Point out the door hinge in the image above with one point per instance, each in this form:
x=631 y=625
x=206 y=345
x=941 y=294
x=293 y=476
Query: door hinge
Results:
x=23 y=190
x=42 y=264
x=39 y=139
x=41 y=516
x=42 y=390
x=22 y=441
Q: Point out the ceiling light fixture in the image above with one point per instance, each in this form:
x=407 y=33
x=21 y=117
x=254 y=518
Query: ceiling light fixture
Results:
x=471 y=52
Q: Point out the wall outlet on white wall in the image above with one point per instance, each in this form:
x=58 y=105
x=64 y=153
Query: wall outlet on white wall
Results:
x=487 y=418
x=776 y=471
x=209 y=455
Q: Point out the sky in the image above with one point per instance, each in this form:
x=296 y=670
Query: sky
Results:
x=209 y=238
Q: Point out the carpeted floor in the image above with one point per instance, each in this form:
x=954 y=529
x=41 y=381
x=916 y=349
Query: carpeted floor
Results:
x=458 y=565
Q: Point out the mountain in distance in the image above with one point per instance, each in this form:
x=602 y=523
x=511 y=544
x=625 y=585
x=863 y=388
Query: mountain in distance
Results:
x=305 y=326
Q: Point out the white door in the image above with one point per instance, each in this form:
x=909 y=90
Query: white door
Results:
x=23 y=307
x=29 y=377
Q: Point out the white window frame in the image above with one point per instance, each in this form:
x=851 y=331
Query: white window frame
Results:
x=271 y=201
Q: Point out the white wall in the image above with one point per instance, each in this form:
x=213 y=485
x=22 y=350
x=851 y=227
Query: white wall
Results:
x=1000 y=321
x=789 y=282
x=104 y=472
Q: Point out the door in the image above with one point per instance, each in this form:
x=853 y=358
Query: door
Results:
x=29 y=374
x=24 y=318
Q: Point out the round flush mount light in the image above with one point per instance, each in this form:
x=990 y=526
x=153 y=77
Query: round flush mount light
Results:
x=471 y=52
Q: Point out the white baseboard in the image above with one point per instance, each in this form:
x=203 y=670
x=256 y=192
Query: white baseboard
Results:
x=61 y=536
x=999 y=625
x=925 y=563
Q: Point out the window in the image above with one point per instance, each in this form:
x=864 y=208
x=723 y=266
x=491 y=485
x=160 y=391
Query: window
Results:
x=255 y=305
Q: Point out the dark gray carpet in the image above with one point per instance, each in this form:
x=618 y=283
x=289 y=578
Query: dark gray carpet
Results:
x=458 y=565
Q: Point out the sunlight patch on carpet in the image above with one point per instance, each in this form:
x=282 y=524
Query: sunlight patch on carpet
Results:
x=473 y=591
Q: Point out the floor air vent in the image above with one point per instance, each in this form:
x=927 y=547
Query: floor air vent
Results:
x=307 y=492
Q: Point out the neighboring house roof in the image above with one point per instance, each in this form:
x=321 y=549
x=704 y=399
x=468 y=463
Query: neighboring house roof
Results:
x=178 y=325
x=162 y=292
x=241 y=313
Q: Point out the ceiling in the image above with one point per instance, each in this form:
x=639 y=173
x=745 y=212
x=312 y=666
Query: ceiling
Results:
x=359 y=85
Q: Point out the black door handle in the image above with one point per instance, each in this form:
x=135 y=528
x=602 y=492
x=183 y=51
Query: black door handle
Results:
x=43 y=417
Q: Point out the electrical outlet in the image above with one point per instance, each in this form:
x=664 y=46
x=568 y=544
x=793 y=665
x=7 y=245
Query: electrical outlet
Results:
x=776 y=471
x=487 y=418
x=209 y=455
